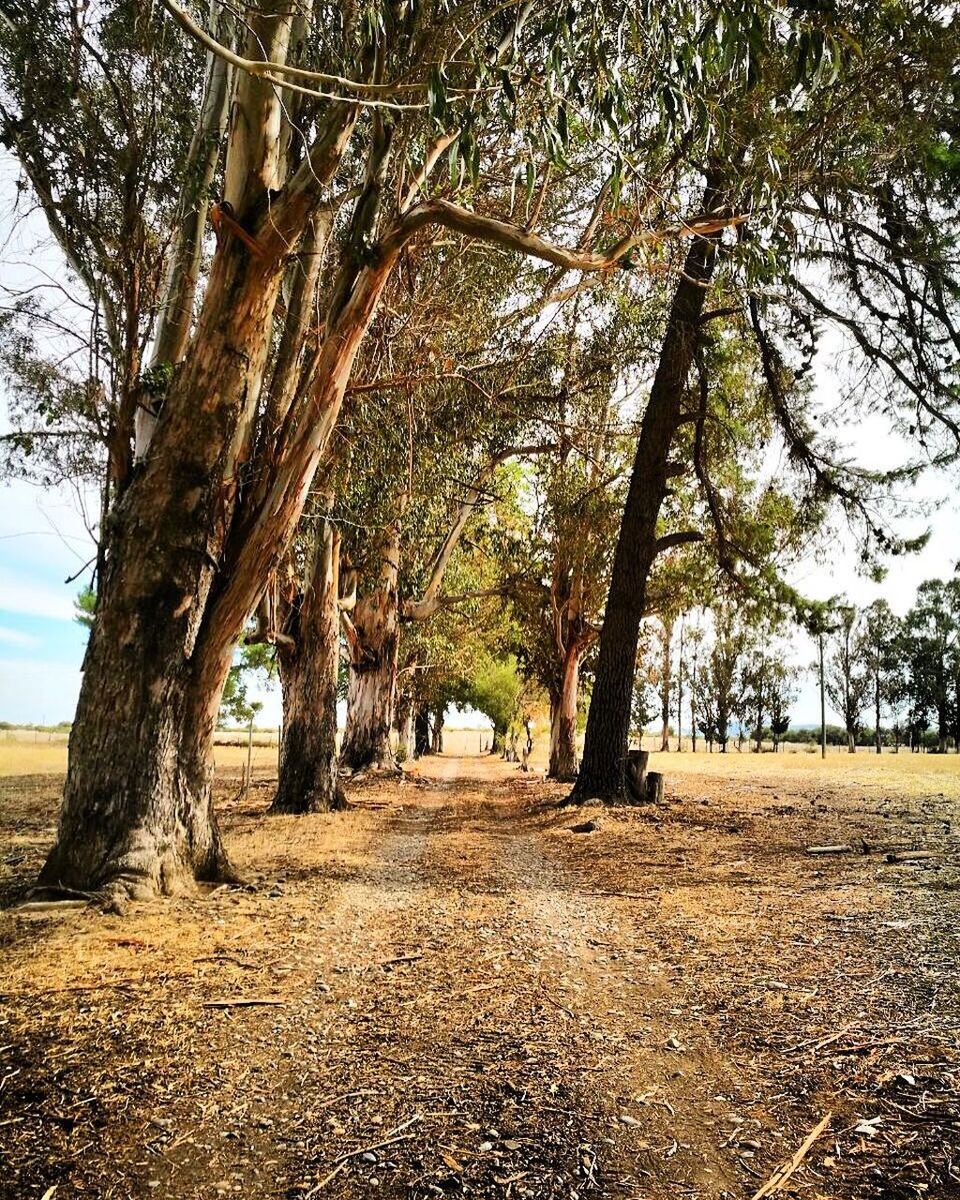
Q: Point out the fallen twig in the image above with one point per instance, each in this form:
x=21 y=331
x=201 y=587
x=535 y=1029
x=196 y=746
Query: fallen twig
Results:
x=785 y=1170
x=228 y=958
x=820 y=1042
x=40 y=906
x=346 y=1096
x=387 y=1141
x=243 y=1002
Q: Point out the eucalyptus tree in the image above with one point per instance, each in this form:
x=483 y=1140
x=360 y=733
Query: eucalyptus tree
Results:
x=782 y=694
x=437 y=655
x=300 y=616
x=879 y=637
x=101 y=115
x=339 y=165
x=840 y=145
x=557 y=570
x=931 y=635
x=427 y=485
x=847 y=680
x=719 y=684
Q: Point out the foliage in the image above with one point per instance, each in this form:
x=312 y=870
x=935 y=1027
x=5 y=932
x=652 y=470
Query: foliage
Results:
x=495 y=689
x=236 y=707
x=85 y=607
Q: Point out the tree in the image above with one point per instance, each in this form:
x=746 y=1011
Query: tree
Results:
x=864 y=227
x=495 y=689
x=308 y=656
x=757 y=687
x=879 y=635
x=781 y=696
x=818 y=618
x=719 y=690
x=558 y=564
x=695 y=642
x=931 y=632
x=328 y=163
x=847 y=681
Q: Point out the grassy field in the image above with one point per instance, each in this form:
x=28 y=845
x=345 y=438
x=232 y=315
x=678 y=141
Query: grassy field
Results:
x=910 y=774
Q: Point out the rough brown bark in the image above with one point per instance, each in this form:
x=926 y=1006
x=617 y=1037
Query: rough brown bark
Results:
x=136 y=816
x=308 y=676
x=421 y=732
x=608 y=723
x=373 y=640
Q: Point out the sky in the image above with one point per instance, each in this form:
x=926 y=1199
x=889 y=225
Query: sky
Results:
x=44 y=541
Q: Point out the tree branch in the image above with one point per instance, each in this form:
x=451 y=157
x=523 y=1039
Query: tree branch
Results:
x=684 y=537
x=419 y=610
x=271 y=71
x=514 y=237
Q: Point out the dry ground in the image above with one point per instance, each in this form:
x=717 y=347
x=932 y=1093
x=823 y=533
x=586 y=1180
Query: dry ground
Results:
x=468 y=999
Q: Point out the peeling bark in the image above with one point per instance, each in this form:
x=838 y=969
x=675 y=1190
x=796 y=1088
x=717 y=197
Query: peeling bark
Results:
x=373 y=642
x=309 y=657
x=563 y=721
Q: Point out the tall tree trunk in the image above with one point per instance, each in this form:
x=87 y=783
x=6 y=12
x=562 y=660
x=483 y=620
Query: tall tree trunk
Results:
x=403 y=724
x=876 y=699
x=309 y=662
x=137 y=815
x=421 y=731
x=136 y=811
x=373 y=642
x=608 y=723
x=851 y=742
x=563 y=721
x=436 y=739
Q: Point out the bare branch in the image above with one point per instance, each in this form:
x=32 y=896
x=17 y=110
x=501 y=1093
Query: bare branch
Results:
x=514 y=237
x=274 y=71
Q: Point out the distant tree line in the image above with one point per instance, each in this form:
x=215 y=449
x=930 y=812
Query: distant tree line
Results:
x=723 y=674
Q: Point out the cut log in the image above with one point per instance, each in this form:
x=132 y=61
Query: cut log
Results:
x=635 y=770
x=653 y=788
x=844 y=848
x=902 y=856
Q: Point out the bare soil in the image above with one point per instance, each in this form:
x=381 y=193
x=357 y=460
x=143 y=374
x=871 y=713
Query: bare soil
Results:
x=468 y=999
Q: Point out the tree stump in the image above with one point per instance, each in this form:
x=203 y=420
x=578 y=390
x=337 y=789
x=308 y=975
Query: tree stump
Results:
x=653 y=788
x=635 y=770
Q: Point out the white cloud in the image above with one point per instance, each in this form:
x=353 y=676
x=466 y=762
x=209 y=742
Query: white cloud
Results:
x=14 y=637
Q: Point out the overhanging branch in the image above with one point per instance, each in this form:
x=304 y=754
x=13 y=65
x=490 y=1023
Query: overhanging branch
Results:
x=683 y=537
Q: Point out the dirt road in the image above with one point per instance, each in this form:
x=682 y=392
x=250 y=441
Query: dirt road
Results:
x=447 y=992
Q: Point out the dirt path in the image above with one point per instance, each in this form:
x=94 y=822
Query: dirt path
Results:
x=471 y=1000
